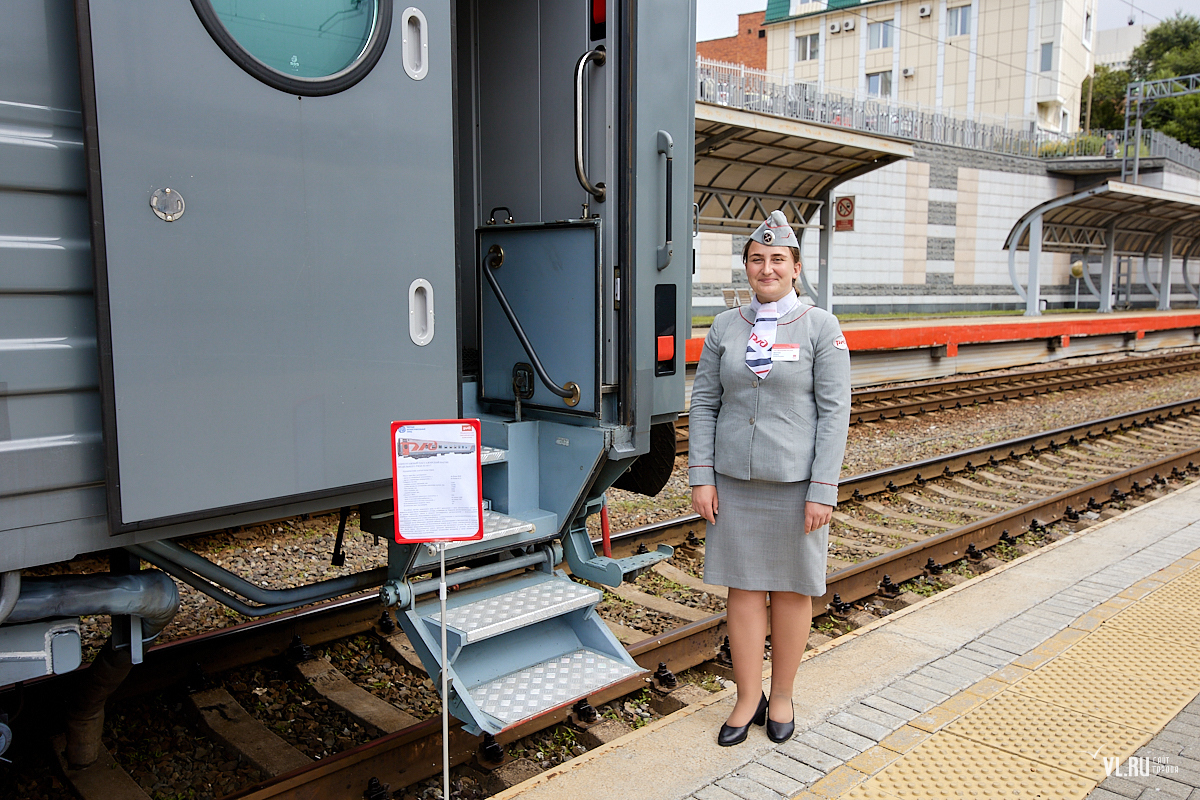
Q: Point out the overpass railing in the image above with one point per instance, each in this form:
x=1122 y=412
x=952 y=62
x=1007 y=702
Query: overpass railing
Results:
x=757 y=90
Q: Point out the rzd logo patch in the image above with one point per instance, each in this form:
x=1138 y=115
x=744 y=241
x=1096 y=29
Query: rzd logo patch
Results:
x=840 y=343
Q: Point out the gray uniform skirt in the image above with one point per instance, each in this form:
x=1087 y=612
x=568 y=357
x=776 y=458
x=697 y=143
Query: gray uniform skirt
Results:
x=759 y=542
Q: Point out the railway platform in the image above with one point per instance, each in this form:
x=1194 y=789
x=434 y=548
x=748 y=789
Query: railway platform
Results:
x=1071 y=672
x=883 y=351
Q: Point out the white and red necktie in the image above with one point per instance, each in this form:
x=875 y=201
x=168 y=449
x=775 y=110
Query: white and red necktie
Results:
x=762 y=335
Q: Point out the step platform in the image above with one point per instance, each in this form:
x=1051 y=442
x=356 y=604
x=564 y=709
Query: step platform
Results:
x=519 y=648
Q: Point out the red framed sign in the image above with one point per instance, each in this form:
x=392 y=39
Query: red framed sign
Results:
x=437 y=480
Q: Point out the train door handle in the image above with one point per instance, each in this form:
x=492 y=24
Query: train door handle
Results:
x=597 y=190
x=666 y=147
x=420 y=312
x=415 y=44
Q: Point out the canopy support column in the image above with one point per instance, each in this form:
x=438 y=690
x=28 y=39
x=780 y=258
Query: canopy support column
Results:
x=1164 y=279
x=1033 y=293
x=1106 y=268
x=824 y=276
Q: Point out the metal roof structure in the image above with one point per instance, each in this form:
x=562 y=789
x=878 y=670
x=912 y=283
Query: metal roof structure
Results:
x=1115 y=219
x=750 y=164
x=1139 y=216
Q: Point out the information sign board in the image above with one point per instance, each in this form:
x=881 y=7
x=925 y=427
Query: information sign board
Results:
x=437 y=484
x=844 y=218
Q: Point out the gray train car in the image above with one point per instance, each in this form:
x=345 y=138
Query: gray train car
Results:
x=238 y=238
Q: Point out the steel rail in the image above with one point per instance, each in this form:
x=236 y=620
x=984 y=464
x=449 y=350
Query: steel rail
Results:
x=932 y=396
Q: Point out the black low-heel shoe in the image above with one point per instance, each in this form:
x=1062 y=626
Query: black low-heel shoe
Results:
x=729 y=735
x=781 y=731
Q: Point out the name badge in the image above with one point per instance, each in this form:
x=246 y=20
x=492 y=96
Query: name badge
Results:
x=785 y=352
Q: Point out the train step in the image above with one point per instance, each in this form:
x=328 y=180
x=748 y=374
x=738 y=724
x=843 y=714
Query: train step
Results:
x=518 y=648
x=585 y=563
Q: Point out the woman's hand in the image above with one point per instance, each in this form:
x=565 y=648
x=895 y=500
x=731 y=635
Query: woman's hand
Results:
x=816 y=515
x=704 y=502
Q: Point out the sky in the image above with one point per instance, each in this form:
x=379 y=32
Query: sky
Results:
x=718 y=18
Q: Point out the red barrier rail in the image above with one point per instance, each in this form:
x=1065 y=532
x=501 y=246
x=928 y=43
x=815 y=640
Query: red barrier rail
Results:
x=951 y=332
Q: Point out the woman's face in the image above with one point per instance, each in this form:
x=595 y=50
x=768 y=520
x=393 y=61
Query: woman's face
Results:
x=770 y=271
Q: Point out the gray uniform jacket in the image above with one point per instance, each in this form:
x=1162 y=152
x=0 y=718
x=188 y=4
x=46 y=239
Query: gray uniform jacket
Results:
x=789 y=426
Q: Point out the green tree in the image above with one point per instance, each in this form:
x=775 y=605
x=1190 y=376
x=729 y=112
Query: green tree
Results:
x=1163 y=43
x=1108 y=99
x=1171 y=49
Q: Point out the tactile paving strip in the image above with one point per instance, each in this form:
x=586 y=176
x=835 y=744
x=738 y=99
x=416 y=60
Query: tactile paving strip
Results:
x=1183 y=591
x=945 y=766
x=493 y=616
x=1160 y=619
x=1111 y=647
x=524 y=693
x=1137 y=701
x=1048 y=734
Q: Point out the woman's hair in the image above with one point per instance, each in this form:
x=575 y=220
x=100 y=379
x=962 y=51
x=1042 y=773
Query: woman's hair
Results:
x=746 y=252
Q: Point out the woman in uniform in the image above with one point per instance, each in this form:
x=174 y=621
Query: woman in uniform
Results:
x=769 y=415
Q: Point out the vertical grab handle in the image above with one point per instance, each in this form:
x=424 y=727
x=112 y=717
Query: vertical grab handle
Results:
x=666 y=146
x=597 y=55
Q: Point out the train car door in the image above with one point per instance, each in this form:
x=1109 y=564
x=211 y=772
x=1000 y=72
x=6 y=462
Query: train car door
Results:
x=271 y=189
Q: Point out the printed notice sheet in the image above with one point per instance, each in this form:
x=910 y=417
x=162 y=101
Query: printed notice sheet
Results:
x=436 y=480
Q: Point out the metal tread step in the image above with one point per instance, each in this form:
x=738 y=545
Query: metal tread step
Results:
x=549 y=684
x=527 y=605
x=496 y=525
x=492 y=455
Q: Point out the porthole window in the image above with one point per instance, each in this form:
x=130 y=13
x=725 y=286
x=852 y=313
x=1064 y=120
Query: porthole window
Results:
x=316 y=47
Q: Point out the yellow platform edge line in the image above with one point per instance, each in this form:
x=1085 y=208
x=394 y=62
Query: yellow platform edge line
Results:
x=908 y=750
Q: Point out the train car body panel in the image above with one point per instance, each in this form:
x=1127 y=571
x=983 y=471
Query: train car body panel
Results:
x=260 y=340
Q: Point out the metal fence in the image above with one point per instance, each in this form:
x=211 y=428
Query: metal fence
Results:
x=1111 y=144
x=756 y=90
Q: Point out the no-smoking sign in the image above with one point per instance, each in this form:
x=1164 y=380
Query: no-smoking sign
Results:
x=844 y=216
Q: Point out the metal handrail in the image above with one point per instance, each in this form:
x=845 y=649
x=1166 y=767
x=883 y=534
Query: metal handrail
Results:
x=597 y=191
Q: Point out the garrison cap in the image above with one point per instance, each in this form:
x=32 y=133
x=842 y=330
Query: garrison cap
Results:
x=775 y=232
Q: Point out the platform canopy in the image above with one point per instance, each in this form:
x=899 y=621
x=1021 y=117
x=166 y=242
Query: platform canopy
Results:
x=750 y=164
x=1112 y=219
x=1139 y=216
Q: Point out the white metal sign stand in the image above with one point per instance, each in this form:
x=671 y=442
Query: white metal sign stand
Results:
x=437 y=479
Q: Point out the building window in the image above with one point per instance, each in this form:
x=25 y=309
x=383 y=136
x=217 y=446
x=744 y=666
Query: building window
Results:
x=1065 y=122
x=808 y=47
x=1047 y=56
x=958 y=22
x=879 y=84
x=762 y=34
x=879 y=35
x=1087 y=28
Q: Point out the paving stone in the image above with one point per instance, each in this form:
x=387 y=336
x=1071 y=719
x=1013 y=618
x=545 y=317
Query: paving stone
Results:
x=1104 y=794
x=791 y=767
x=1122 y=786
x=941 y=686
x=956 y=680
x=905 y=699
x=992 y=652
x=1011 y=648
x=811 y=756
x=872 y=731
x=924 y=692
x=776 y=781
x=714 y=792
x=833 y=747
x=887 y=706
x=856 y=742
x=1161 y=788
x=973 y=668
x=747 y=789
x=984 y=659
x=878 y=716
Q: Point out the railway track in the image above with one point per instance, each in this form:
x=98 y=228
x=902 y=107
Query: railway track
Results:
x=892 y=402
x=909 y=522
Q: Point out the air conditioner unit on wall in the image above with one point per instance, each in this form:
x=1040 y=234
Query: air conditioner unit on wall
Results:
x=908 y=72
x=924 y=11
x=835 y=27
x=848 y=25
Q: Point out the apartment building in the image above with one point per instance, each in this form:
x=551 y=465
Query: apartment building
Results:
x=1017 y=60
